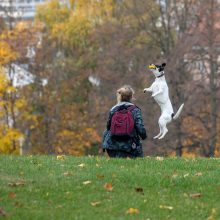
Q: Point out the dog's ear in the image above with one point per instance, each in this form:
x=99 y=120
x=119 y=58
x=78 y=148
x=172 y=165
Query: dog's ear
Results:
x=163 y=64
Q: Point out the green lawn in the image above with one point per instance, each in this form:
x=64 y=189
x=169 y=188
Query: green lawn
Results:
x=44 y=187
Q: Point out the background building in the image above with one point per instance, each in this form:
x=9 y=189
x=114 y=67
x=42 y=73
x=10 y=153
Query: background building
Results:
x=23 y=9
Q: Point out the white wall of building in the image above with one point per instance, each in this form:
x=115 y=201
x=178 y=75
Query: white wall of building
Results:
x=24 y=9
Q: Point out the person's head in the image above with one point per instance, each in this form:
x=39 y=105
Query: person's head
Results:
x=125 y=94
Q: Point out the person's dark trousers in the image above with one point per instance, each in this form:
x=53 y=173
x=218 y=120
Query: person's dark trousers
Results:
x=122 y=154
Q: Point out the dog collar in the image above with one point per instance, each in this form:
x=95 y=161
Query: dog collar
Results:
x=160 y=75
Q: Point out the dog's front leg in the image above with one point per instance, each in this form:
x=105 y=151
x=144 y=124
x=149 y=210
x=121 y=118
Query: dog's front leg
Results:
x=157 y=93
x=148 y=89
x=157 y=90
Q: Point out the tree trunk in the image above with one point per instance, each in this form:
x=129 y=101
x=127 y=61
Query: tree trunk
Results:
x=179 y=151
x=213 y=89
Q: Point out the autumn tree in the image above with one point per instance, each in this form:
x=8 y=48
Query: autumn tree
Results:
x=63 y=104
x=10 y=136
x=205 y=68
x=14 y=40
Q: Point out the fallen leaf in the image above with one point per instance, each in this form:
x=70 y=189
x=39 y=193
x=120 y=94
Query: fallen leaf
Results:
x=132 y=211
x=95 y=203
x=81 y=165
x=175 y=175
x=166 y=207
x=160 y=158
x=18 y=204
x=87 y=182
x=195 y=195
x=60 y=157
x=108 y=186
x=66 y=174
x=185 y=175
x=14 y=184
x=49 y=202
x=139 y=190
x=2 y=212
x=185 y=195
x=99 y=176
x=198 y=174
x=11 y=195
x=211 y=217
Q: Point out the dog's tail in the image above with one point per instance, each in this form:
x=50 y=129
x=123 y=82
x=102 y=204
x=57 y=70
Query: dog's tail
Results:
x=178 y=112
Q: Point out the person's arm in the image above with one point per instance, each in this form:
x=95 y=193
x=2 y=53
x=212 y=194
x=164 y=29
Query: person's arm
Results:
x=105 y=133
x=139 y=124
x=109 y=122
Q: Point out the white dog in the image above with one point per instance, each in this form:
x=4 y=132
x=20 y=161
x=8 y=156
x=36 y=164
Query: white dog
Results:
x=160 y=93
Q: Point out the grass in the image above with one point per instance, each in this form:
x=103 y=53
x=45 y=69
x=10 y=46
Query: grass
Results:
x=44 y=187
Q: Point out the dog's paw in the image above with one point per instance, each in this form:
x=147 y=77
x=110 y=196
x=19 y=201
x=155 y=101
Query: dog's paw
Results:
x=154 y=94
x=157 y=136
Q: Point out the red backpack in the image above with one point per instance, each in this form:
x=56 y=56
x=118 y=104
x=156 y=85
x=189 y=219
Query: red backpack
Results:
x=122 y=122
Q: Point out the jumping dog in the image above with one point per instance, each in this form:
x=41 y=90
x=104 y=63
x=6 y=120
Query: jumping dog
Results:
x=160 y=93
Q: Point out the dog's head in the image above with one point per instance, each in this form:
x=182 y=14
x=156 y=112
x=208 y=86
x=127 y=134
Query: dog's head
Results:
x=158 y=70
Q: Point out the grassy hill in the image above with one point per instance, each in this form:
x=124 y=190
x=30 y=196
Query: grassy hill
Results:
x=47 y=187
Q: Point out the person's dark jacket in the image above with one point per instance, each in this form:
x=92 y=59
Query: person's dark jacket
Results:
x=126 y=144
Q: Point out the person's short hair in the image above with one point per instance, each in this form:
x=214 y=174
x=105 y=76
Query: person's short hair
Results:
x=125 y=94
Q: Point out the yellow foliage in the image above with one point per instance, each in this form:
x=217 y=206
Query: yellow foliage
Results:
x=3 y=82
x=20 y=103
x=9 y=140
x=72 y=27
x=75 y=142
x=9 y=136
x=95 y=10
x=11 y=89
x=20 y=26
x=52 y=13
x=188 y=154
x=7 y=55
x=76 y=134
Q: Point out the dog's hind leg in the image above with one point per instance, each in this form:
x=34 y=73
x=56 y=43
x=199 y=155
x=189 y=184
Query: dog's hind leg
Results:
x=157 y=136
x=165 y=130
x=163 y=120
x=160 y=133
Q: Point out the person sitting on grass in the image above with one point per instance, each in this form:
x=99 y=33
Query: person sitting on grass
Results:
x=125 y=127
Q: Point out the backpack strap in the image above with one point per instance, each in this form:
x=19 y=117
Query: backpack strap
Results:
x=130 y=108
